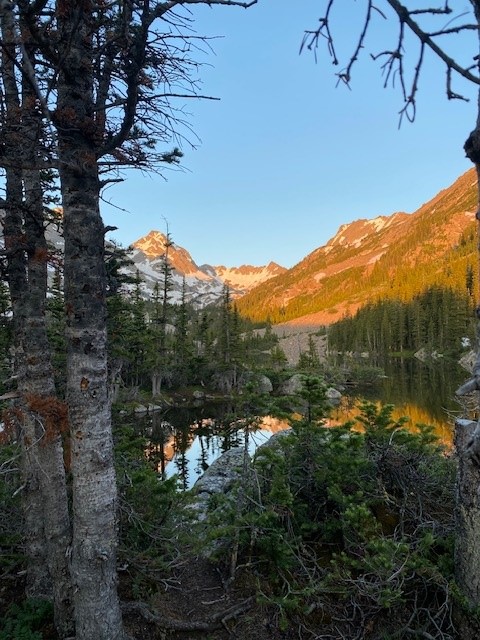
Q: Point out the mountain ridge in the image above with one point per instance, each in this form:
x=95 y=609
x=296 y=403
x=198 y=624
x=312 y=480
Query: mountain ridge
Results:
x=387 y=256
x=203 y=284
x=396 y=255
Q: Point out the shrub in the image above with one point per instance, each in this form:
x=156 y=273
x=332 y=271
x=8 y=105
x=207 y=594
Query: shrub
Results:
x=25 y=621
x=355 y=524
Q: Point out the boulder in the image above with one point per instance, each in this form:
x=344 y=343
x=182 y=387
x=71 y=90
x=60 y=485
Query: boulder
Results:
x=259 y=382
x=264 y=384
x=141 y=409
x=292 y=386
x=333 y=396
x=219 y=478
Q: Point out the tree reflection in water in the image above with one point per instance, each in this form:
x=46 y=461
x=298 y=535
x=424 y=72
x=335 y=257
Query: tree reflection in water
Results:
x=186 y=441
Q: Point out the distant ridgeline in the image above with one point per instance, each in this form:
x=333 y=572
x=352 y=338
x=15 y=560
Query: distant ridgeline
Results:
x=394 y=257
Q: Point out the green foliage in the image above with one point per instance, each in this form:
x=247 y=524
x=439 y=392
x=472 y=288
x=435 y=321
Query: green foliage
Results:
x=26 y=621
x=145 y=499
x=356 y=521
x=438 y=318
x=309 y=403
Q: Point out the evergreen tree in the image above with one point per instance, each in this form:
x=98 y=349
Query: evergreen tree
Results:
x=182 y=346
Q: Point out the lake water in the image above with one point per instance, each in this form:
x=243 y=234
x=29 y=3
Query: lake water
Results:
x=186 y=441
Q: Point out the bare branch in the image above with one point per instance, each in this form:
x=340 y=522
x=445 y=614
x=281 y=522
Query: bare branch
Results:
x=405 y=16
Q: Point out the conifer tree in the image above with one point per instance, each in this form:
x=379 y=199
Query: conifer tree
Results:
x=111 y=70
x=182 y=346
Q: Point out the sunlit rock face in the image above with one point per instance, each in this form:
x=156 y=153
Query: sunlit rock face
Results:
x=203 y=284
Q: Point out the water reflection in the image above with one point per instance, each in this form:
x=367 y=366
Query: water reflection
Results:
x=181 y=443
x=186 y=441
x=424 y=392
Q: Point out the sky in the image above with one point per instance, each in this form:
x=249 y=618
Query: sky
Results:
x=286 y=155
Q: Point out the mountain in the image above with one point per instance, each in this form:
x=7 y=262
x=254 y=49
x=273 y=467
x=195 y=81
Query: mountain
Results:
x=246 y=277
x=203 y=284
x=389 y=256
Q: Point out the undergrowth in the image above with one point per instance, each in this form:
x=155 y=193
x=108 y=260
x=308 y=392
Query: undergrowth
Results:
x=27 y=621
x=349 y=528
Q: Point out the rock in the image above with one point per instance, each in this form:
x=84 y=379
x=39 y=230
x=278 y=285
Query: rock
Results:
x=421 y=354
x=293 y=385
x=264 y=384
x=150 y=408
x=273 y=440
x=260 y=383
x=219 y=478
x=141 y=409
x=333 y=396
x=468 y=360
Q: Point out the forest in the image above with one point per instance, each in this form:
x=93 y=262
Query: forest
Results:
x=438 y=319
x=162 y=352
x=355 y=532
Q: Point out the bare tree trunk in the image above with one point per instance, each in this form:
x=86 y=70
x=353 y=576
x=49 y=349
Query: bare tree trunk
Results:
x=467 y=526
x=45 y=412
x=97 y=610
x=38 y=579
x=47 y=525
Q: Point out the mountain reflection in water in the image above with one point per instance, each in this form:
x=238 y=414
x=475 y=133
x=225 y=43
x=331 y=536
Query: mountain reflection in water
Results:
x=186 y=441
x=188 y=450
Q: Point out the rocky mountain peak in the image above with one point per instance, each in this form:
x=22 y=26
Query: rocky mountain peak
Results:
x=153 y=244
x=204 y=284
x=395 y=256
x=355 y=233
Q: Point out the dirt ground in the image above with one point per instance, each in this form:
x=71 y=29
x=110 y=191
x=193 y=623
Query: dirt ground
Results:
x=198 y=603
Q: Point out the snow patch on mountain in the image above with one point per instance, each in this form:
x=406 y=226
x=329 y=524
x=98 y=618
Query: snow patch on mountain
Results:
x=247 y=276
x=203 y=284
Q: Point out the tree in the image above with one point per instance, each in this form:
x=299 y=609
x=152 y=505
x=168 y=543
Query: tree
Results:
x=421 y=22
x=182 y=345
x=161 y=299
x=110 y=74
x=40 y=414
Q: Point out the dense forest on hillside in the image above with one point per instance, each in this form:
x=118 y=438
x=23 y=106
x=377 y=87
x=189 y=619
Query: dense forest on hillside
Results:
x=436 y=319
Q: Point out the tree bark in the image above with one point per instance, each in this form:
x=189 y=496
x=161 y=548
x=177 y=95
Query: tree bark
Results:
x=97 y=610
x=38 y=580
x=47 y=523
x=45 y=412
x=467 y=526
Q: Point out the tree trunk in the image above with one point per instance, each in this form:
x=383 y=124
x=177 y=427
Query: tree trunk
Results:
x=467 y=526
x=44 y=411
x=38 y=580
x=97 y=610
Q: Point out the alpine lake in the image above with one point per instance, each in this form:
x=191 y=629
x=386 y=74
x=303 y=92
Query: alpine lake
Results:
x=185 y=441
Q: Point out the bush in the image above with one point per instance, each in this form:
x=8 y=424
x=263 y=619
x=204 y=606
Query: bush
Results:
x=353 y=524
x=25 y=621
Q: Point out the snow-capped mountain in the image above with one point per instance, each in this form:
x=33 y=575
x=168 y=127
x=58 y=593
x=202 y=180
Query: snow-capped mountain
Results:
x=203 y=284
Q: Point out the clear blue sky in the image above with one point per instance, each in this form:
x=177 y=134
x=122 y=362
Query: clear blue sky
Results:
x=286 y=156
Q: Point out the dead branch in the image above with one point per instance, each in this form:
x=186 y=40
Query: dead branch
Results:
x=215 y=622
x=394 y=67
